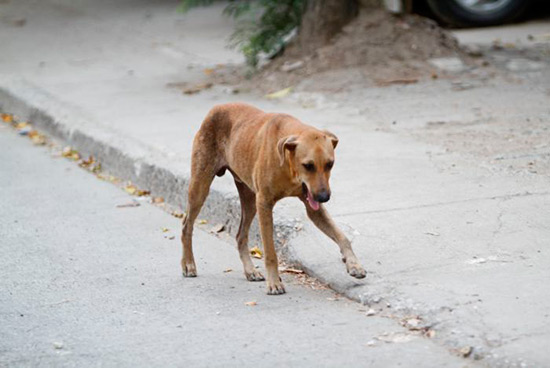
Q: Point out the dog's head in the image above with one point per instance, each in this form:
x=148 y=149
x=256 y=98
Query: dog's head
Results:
x=310 y=156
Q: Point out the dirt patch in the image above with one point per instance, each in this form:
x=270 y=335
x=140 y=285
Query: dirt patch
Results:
x=513 y=145
x=381 y=49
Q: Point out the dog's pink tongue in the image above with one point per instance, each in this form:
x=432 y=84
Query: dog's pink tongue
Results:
x=312 y=202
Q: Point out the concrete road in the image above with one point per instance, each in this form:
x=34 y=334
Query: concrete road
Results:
x=86 y=284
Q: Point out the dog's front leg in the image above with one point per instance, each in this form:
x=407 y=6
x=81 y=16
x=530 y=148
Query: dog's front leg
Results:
x=265 y=215
x=324 y=222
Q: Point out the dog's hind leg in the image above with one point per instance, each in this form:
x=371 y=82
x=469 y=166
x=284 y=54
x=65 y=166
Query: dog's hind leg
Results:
x=265 y=217
x=202 y=174
x=248 y=211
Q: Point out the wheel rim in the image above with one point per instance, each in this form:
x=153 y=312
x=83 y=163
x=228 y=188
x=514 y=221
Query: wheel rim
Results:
x=483 y=6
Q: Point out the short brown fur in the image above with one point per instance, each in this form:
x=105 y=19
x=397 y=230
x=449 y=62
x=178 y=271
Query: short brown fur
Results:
x=271 y=157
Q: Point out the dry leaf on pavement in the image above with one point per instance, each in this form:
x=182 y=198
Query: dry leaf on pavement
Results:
x=37 y=138
x=218 y=228
x=7 y=118
x=279 y=94
x=21 y=125
x=291 y=270
x=69 y=152
x=256 y=252
x=197 y=88
x=465 y=351
x=250 y=304
x=133 y=190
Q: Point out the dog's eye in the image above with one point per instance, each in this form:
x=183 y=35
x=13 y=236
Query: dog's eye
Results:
x=329 y=165
x=309 y=167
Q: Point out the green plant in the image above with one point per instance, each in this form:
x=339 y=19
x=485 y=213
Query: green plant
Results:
x=261 y=24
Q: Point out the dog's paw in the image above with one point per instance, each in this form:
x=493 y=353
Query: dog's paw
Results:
x=189 y=270
x=355 y=270
x=275 y=288
x=255 y=275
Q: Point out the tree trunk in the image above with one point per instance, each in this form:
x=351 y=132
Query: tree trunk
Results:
x=323 y=19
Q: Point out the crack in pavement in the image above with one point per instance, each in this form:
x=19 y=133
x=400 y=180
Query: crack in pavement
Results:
x=439 y=204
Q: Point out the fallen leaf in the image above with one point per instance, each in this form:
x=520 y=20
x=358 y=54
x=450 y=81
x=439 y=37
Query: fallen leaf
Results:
x=110 y=178
x=202 y=222
x=208 y=71
x=86 y=162
x=291 y=270
x=158 y=200
x=465 y=351
x=22 y=125
x=227 y=270
x=218 y=228
x=250 y=304
x=389 y=82
x=256 y=252
x=197 y=88
x=178 y=214
x=279 y=94
x=131 y=204
x=164 y=229
x=171 y=237
x=95 y=168
x=69 y=152
x=37 y=139
x=133 y=190
x=8 y=118
x=130 y=189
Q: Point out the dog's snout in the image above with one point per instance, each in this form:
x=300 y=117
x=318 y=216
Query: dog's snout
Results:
x=323 y=196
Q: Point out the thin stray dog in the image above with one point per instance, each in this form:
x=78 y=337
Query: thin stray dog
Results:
x=271 y=156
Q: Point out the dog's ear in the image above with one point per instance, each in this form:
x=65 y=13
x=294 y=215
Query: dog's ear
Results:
x=286 y=143
x=332 y=137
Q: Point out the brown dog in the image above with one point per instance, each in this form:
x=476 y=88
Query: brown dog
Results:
x=271 y=156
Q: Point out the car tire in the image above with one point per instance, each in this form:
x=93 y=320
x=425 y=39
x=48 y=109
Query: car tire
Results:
x=459 y=13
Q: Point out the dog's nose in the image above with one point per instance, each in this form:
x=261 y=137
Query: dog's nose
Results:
x=323 y=196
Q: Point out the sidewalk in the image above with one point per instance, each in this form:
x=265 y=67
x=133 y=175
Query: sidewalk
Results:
x=452 y=235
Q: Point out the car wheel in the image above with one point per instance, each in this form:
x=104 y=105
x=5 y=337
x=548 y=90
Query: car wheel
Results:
x=477 y=12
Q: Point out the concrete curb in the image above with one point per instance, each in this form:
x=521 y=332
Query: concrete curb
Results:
x=126 y=158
